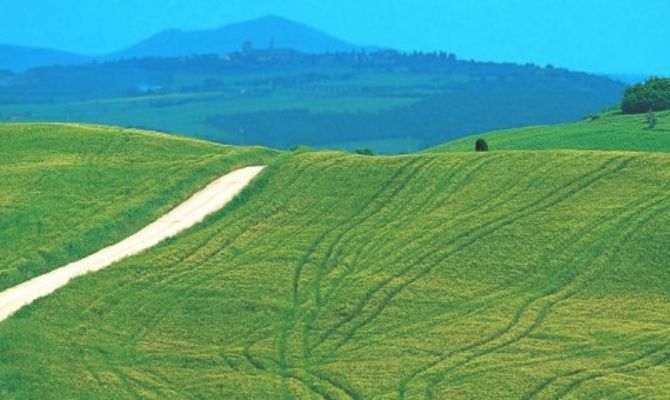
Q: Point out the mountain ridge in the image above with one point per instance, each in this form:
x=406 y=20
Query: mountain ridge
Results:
x=20 y=58
x=266 y=31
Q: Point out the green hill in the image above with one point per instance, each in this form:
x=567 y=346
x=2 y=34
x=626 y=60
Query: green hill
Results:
x=610 y=131
x=389 y=101
x=500 y=275
x=69 y=190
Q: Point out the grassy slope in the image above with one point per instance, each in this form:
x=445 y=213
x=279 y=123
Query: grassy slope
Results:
x=612 y=131
x=70 y=190
x=449 y=276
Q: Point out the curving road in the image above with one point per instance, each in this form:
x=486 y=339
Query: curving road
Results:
x=194 y=210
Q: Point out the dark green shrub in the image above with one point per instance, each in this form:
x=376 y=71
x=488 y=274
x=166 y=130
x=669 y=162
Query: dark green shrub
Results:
x=481 y=145
x=365 y=152
x=300 y=149
x=651 y=120
x=653 y=95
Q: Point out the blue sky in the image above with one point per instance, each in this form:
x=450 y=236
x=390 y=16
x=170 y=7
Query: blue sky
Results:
x=613 y=36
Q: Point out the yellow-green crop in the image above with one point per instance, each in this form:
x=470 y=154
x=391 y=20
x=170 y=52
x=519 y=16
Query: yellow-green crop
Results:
x=446 y=276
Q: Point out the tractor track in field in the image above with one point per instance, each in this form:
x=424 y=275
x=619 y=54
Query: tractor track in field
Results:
x=468 y=238
x=551 y=199
x=648 y=208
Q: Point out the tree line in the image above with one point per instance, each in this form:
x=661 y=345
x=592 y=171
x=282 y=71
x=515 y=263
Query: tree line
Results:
x=652 y=95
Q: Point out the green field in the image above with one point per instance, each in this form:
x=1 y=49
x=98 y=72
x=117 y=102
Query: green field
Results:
x=610 y=131
x=501 y=275
x=69 y=190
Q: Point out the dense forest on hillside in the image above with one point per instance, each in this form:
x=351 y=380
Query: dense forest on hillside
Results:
x=652 y=95
x=283 y=98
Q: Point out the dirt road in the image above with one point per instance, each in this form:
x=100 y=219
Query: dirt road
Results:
x=194 y=210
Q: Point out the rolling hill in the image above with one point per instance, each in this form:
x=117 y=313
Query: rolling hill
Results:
x=262 y=32
x=391 y=102
x=609 y=131
x=518 y=274
x=70 y=190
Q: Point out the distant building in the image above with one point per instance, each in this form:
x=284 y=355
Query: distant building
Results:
x=247 y=47
x=145 y=90
x=272 y=53
x=19 y=117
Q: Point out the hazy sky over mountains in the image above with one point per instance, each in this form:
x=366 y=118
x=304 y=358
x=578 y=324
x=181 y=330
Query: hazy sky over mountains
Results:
x=617 y=36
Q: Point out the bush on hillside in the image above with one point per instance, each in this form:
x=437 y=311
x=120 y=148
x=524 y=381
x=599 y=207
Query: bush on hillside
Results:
x=365 y=152
x=651 y=120
x=481 y=145
x=301 y=149
x=653 y=95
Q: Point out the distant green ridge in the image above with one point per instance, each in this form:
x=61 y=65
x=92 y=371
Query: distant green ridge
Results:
x=610 y=131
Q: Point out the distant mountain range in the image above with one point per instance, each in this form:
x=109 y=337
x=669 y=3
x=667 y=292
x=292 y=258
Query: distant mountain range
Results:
x=17 y=58
x=263 y=33
x=629 y=78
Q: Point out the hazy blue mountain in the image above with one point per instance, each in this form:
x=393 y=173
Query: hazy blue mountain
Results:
x=18 y=58
x=629 y=78
x=173 y=43
x=262 y=32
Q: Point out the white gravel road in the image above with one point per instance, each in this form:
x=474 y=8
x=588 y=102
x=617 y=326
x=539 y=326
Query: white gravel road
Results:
x=189 y=213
